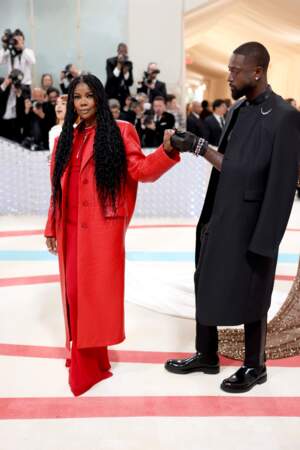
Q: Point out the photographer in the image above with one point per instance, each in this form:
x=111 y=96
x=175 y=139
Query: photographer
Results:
x=66 y=76
x=15 y=55
x=150 y=85
x=11 y=106
x=119 y=75
x=40 y=117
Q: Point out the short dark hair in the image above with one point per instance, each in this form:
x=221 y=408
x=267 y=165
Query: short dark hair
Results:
x=256 y=51
x=204 y=104
x=159 y=98
x=290 y=100
x=122 y=44
x=19 y=32
x=52 y=89
x=170 y=97
x=218 y=102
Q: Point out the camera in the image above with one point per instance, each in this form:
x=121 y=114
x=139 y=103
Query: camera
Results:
x=30 y=144
x=10 y=42
x=37 y=104
x=67 y=72
x=124 y=61
x=16 y=76
x=148 y=76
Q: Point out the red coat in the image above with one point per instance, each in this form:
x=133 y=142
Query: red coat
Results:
x=101 y=241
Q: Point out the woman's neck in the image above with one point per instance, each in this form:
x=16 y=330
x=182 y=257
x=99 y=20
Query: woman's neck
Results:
x=89 y=123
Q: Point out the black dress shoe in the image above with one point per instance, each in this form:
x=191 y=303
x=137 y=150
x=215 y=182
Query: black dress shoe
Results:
x=197 y=363
x=244 y=379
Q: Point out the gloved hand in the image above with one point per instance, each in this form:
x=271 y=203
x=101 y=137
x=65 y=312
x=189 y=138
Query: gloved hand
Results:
x=184 y=141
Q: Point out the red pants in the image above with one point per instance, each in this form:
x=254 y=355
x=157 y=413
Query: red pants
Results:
x=88 y=366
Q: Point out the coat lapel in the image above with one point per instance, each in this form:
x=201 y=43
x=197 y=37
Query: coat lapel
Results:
x=89 y=151
x=228 y=120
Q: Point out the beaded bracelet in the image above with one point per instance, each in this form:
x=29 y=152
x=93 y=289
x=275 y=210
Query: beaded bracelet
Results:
x=201 y=147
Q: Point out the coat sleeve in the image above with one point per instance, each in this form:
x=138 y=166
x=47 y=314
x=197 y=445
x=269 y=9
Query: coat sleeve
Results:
x=280 y=189
x=50 y=229
x=145 y=168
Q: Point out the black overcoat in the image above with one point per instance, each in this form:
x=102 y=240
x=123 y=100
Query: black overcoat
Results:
x=245 y=213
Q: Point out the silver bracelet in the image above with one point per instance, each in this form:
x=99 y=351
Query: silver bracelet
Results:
x=201 y=147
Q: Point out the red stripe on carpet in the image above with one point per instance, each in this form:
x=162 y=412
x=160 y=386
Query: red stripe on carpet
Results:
x=127 y=356
x=59 y=408
x=134 y=227
x=42 y=279
x=284 y=277
x=20 y=233
x=37 y=279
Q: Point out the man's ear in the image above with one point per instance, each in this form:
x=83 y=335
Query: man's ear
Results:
x=259 y=72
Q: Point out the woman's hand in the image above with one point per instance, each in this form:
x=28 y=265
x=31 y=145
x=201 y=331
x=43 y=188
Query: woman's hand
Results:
x=51 y=245
x=167 y=140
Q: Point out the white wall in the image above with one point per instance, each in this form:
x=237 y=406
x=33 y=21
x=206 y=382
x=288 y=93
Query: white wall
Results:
x=155 y=34
x=84 y=32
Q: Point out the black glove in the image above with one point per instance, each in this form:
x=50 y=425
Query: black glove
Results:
x=184 y=141
x=189 y=142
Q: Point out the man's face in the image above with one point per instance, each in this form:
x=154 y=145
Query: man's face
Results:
x=38 y=94
x=19 y=42
x=122 y=50
x=197 y=107
x=159 y=107
x=52 y=97
x=242 y=73
x=115 y=112
x=221 y=110
x=152 y=69
x=74 y=71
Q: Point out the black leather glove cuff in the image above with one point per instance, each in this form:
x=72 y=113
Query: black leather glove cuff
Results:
x=189 y=142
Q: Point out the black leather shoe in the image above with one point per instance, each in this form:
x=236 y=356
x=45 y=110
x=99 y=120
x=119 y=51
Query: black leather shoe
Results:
x=244 y=379
x=197 y=363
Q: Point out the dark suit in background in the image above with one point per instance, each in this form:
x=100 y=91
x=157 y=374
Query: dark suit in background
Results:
x=166 y=122
x=195 y=125
x=159 y=90
x=11 y=128
x=118 y=86
x=213 y=130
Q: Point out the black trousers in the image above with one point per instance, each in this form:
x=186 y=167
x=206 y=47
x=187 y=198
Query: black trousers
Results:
x=255 y=341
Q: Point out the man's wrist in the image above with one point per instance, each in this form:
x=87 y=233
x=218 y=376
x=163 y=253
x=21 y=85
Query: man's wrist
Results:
x=201 y=147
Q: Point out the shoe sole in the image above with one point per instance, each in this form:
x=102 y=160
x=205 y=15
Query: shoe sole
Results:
x=242 y=390
x=206 y=370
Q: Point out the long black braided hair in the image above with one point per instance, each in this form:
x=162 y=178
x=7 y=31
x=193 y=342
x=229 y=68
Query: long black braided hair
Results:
x=109 y=151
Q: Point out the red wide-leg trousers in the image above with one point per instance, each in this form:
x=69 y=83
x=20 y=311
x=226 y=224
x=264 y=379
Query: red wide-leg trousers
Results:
x=88 y=366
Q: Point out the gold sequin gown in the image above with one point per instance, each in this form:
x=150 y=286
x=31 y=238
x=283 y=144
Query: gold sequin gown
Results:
x=283 y=338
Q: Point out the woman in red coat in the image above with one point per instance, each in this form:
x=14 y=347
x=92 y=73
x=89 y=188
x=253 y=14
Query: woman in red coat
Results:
x=94 y=172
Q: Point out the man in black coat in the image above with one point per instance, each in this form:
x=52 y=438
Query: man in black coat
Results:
x=119 y=75
x=215 y=123
x=162 y=119
x=245 y=213
x=12 y=110
x=150 y=85
x=194 y=123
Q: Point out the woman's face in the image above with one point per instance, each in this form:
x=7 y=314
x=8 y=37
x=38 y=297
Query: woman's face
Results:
x=47 y=81
x=60 y=108
x=85 y=103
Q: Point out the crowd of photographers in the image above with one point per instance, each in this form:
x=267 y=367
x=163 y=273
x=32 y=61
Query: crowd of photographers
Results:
x=28 y=115
x=33 y=116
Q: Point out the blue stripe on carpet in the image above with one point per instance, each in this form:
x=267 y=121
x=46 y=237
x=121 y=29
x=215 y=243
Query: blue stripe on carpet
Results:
x=35 y=255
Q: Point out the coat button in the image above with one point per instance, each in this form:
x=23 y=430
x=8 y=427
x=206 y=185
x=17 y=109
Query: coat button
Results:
x=84 y=225
x=85 y=203
x=85 y=181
